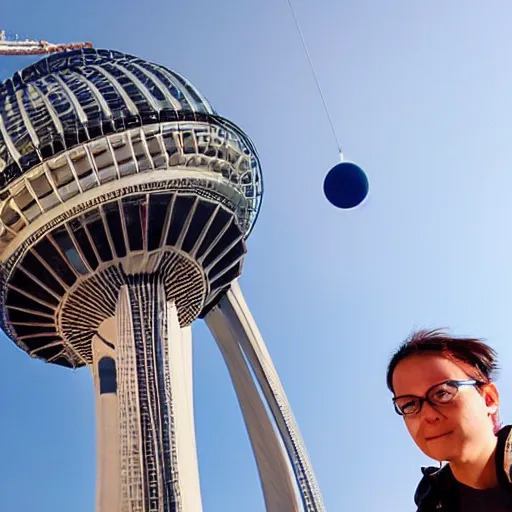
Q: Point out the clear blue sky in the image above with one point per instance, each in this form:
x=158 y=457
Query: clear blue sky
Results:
x=421 y=96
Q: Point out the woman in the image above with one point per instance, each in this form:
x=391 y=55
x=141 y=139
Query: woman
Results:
x=443 y=388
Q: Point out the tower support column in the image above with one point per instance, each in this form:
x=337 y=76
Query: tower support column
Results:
x=108 y=474
x=273 y=467
x=231 y=322
x=155 y=441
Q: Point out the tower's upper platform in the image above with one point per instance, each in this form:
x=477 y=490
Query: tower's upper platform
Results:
x=70 y=97
x=110 y=167
x=74 y=97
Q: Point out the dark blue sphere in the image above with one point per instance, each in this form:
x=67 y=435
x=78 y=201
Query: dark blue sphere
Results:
x=346 y=185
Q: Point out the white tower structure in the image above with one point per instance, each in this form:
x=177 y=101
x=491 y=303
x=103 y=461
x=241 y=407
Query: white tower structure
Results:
x=125 y=204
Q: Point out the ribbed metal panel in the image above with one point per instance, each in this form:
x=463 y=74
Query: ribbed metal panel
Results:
x=74 y=96
x=69 y=99
x=68 y=283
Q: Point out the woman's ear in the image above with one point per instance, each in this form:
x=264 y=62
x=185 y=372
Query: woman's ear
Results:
x=491 y=397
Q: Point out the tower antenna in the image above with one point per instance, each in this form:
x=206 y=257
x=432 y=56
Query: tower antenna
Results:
x=33 y=47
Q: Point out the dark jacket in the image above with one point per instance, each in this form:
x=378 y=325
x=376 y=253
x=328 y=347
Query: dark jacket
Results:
x=438 y=490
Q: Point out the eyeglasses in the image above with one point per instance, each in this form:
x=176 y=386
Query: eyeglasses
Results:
x=439 y=394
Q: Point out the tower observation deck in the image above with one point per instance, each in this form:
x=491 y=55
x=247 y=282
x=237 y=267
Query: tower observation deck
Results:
x=125 y=204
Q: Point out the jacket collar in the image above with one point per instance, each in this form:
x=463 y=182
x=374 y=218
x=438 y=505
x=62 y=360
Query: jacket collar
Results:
x=504 y=457
x=438 y=487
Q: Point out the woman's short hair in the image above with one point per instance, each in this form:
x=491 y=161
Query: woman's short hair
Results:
x=472 y=351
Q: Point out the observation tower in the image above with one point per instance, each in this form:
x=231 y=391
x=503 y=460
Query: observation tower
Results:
x=125 y=205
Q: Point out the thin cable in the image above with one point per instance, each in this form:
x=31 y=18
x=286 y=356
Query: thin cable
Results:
x=316 y=78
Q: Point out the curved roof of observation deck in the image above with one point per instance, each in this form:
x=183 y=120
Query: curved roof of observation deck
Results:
x=74 y=96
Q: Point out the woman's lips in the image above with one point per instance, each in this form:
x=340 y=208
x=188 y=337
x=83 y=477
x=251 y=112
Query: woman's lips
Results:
x=432 y=438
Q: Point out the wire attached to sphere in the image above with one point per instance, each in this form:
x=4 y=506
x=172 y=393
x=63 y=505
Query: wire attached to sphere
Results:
x=346 y=185
x=316 y=78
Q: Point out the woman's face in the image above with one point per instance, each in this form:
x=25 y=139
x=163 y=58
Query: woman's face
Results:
x=453 y=431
